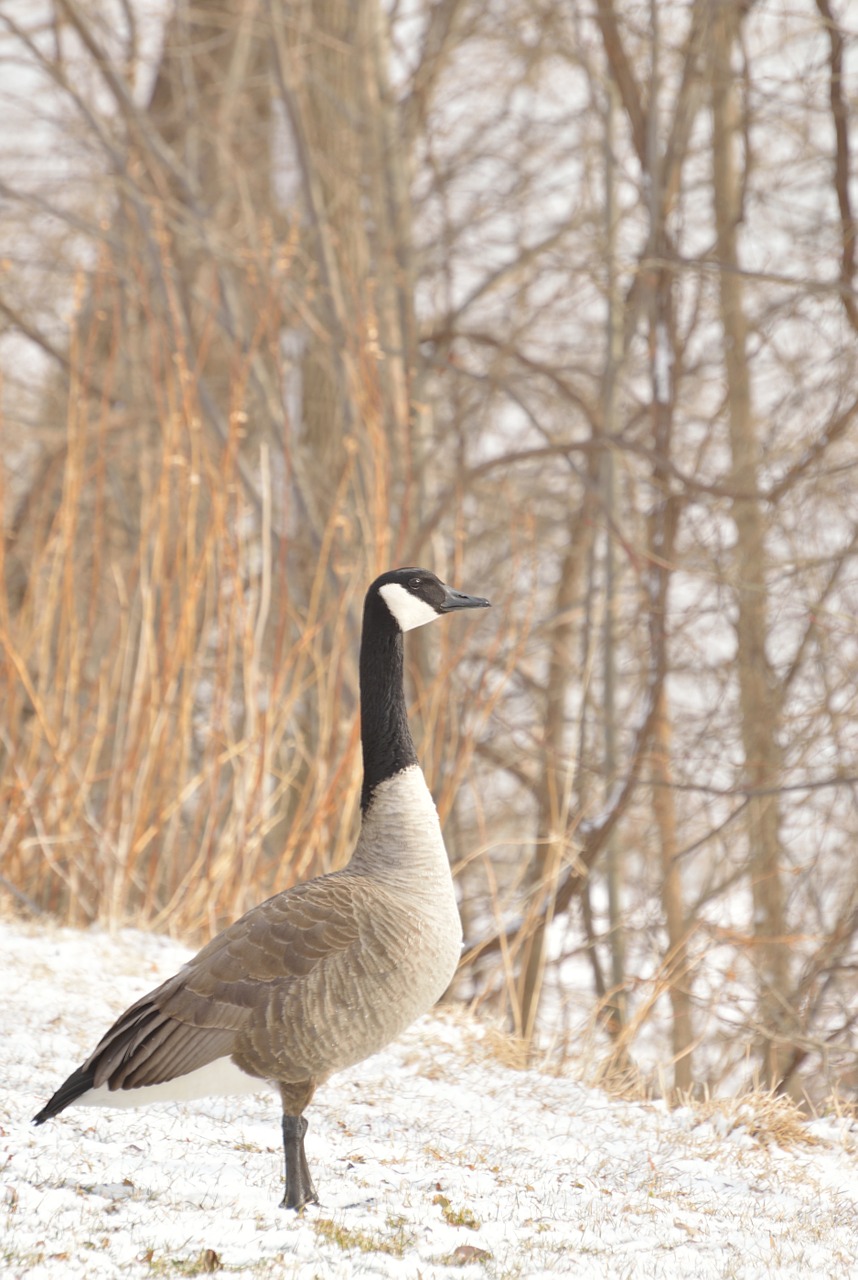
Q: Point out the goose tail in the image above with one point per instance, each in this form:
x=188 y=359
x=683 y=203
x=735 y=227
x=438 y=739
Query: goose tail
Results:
x=78 y=1083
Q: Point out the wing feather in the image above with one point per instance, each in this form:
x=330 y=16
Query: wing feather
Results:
x=239 y=996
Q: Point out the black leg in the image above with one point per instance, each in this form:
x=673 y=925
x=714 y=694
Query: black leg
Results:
x=299 y=1184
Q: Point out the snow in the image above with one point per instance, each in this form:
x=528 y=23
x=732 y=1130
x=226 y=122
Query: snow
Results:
x=432 y=1159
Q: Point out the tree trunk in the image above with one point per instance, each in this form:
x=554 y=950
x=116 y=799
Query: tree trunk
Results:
x=360 y=353
x=758 y=701
x=555 y=781
x=676 y=965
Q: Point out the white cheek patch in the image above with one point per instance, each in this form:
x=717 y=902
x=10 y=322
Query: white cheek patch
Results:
x=407 y=610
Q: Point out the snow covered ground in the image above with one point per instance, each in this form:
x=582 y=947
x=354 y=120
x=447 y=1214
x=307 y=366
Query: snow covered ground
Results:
x=432 y=1160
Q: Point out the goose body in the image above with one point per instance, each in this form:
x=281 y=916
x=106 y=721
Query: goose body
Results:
x=316 y=978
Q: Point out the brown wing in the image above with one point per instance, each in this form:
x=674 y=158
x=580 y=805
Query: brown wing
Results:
x=226 y=992
x=283 y=939
x=301 y=979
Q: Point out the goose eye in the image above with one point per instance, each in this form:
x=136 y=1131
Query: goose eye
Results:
x=416 y=582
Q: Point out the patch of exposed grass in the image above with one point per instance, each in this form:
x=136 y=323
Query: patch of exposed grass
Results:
x=457 y=1217
x=207 y=1262
x=506 y=1049
x=765 y=1117
x=23 y=1260
x=349 y=1238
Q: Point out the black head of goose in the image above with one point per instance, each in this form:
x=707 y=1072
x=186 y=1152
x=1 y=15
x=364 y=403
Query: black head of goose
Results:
x=320 y=976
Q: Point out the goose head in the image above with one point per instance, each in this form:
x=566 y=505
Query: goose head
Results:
x=414 y=597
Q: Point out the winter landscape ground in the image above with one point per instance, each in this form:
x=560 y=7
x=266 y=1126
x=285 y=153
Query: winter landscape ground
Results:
x=433 y=1159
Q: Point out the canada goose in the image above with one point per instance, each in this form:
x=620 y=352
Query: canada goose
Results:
x=320 y=976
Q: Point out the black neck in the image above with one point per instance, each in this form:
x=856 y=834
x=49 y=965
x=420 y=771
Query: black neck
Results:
x=384 y=732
